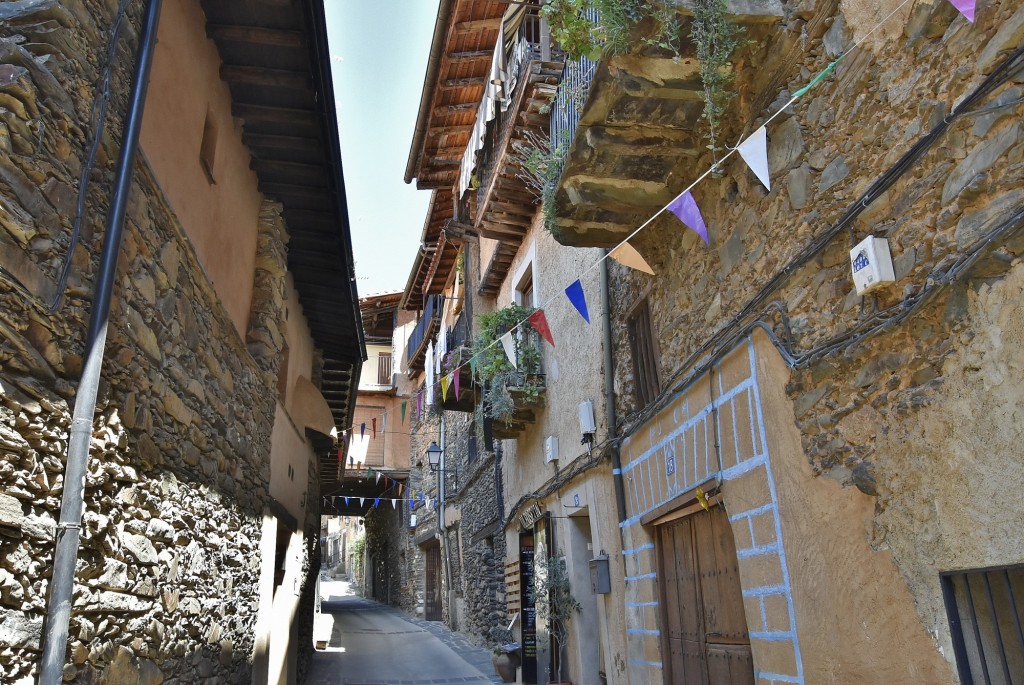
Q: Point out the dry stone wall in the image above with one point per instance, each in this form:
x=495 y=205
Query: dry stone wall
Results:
x=166 y=587
x=871 y=368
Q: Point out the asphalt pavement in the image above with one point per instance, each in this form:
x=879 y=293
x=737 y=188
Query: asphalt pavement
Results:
x=368 y=643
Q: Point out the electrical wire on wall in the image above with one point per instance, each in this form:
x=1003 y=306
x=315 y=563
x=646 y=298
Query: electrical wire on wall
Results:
x=98 y=117
x=756 y=312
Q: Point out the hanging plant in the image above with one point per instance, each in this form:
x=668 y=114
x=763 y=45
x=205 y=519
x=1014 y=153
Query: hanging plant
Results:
x=504 y=385
x=716 y=37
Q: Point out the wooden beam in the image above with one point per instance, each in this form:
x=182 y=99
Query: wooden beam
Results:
x=455 y=109
x=449 y=84
x=468 y=55
x=272 y=142
x=295 y=171
x=501 y=232
x=255 y=35
x=273 y=115
x=266 y=78
x=474 y=25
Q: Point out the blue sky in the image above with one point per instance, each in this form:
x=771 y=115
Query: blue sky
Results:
x=379 y=54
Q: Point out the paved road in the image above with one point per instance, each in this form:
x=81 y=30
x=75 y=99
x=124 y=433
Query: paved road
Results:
x=372 y=644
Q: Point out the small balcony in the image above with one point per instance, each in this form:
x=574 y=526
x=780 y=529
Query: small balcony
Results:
x=377 y=374
x=459 y=339
x=632 y=125
x=504 y=203
x=416 y=347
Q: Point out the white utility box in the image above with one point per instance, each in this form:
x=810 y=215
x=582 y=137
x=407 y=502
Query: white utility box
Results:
x=872 y=264
x=550 y=449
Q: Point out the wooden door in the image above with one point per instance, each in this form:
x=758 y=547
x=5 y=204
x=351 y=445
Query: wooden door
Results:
x=432 y=610
x=705 y=640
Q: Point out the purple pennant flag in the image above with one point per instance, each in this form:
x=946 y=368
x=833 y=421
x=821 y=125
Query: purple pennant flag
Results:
x=685 y=207
x=575 y=294
x=966 y=8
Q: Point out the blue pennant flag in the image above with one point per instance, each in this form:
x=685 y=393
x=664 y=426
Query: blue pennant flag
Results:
x=376 y=502
x=575 y=294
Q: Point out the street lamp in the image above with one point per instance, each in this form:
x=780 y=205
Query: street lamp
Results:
x=434 y=459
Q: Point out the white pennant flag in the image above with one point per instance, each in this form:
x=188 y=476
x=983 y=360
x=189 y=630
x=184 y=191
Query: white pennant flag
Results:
x=360 y=501
x=754 y=151
x=510 y=348
x=394 y=504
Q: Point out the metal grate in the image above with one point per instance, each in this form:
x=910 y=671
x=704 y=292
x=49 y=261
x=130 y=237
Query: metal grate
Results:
x=384 y=369
x=984 y=609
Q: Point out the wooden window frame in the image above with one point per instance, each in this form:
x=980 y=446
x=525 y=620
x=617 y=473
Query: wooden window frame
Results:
x=644 y=352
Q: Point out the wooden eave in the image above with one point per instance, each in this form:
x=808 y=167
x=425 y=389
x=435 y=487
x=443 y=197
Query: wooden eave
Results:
x=378 y=313
x=449 y=108
x=439 y=272
x=508 y=205
x=276 y=64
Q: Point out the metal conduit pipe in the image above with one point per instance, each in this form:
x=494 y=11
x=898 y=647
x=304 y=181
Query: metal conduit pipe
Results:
x=58 y=608
x=609 y=393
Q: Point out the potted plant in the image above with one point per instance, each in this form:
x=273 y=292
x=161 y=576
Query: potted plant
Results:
x=556 y=604
x=506 y=656
x=505 y=386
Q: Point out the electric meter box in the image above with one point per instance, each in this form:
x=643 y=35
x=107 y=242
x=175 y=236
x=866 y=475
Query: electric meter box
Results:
x=550 y=449
x=872 y=264
x=600 y=578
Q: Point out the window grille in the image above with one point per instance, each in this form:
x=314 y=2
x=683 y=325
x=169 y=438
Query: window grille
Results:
x=984 y=610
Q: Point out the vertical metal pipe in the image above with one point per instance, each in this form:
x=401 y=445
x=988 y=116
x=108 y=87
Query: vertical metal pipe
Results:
x=58 y=610
x=609 y=392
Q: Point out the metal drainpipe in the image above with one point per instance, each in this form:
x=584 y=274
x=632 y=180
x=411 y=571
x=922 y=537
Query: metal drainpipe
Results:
x=609 y=392
x=58 y=609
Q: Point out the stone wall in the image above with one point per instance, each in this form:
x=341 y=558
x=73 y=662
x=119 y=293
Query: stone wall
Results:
x=167 y=581
x=873 y=374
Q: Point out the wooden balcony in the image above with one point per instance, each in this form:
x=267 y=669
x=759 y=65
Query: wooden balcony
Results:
x=504 y=203
x=416 y=347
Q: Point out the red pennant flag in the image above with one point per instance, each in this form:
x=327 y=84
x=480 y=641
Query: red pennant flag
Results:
x=374 y=420
x=540 y=324
x=341 y=454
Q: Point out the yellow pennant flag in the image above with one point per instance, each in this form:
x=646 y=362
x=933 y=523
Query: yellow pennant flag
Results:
x=627 y=255
x=445 y=380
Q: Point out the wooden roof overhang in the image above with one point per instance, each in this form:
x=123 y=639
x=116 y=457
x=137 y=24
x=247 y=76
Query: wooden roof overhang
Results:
x=378 y=313
x=465 y=34
x=276 y=62
x=508 y=205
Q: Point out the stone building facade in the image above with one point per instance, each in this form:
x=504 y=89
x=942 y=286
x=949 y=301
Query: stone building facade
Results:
x=827 y=430
x=197 y=522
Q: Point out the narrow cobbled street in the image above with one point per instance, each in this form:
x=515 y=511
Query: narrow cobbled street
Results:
x=374 y=644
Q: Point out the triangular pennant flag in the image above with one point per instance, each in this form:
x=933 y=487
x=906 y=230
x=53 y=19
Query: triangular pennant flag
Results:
x=445 y=380
x=754 y=151
x=403 y=412
x=374 y=420
x=966 y=8
x=472 y=366
x=346 y=501
x=575 y=294
x=627 y=255
x=361 y=499
x=456 y=375
x=362 y=429
x=368 y=472
x=376 y=502
x=401 y=489
x=539 y=321
x=378 y=476
x=510 y=348
x=412 y=503
x=394 y=503
x=685 y=207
